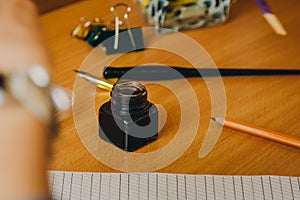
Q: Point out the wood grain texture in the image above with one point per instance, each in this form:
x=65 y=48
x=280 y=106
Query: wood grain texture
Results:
x=46 y=6
x=244 y=41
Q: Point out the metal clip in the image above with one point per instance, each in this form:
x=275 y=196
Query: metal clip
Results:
x=118 y=22
x=82 y=30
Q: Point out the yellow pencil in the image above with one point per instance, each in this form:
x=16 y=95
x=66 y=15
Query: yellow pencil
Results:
x=259 y=132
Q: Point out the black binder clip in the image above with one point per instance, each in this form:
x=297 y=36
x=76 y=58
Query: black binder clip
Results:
x=93 y=32
x=124 y=39
x=116 y=36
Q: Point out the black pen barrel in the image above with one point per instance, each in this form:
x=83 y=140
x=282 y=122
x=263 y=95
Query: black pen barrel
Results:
x=151 y=72
x=258 y=72
x=156 y=72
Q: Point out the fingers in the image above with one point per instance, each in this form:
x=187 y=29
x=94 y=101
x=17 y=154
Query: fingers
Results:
x=22 y=43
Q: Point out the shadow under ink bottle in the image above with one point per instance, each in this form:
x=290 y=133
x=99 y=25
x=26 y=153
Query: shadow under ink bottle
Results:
x=128 y=121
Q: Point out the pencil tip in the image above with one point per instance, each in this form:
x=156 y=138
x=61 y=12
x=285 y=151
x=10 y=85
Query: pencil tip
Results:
x=75 y=70
x=219 y=120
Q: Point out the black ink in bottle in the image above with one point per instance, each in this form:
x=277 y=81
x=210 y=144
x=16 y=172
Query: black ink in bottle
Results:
x=128 y=121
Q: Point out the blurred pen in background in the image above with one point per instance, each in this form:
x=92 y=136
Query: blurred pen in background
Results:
x=271 y=17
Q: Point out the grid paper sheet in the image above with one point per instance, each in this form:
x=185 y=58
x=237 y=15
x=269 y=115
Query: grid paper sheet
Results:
x=161 y=186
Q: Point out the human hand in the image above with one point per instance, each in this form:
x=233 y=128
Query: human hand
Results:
x=23 y=139
x=22 y=43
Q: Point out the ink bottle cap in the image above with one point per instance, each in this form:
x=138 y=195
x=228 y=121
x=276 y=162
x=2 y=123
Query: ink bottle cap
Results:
x=128 y=120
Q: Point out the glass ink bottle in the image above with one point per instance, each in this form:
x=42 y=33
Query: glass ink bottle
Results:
x=128 y=121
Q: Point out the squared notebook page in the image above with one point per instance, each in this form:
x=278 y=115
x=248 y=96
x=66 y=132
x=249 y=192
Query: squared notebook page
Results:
x=162 y=186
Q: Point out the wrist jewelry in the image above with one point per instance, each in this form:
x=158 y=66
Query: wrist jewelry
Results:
x=31 y=88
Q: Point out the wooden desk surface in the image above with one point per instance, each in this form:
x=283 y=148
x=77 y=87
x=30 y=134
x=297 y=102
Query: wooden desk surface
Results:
x=245 y=41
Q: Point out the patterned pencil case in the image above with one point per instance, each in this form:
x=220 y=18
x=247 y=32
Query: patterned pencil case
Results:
x=186 y=14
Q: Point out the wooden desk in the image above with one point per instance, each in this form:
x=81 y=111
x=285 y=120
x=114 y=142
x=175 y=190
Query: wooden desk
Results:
x=245 y=41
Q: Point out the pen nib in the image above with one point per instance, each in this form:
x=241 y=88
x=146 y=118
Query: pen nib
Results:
x=87 y=76
x=101 y=83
